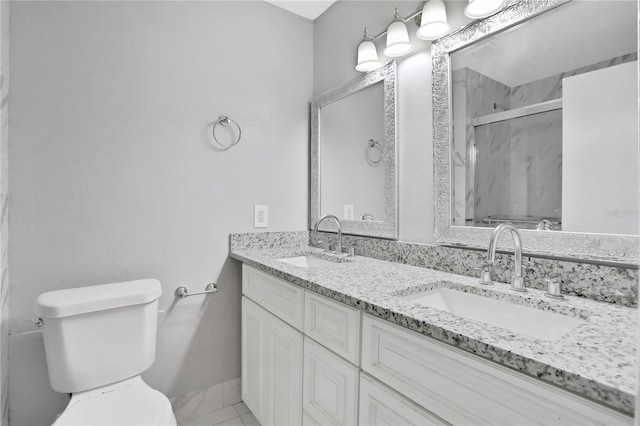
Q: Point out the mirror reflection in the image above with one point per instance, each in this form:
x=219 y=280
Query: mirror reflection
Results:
x=352 y=170
x=353 y=155
x=544 y=123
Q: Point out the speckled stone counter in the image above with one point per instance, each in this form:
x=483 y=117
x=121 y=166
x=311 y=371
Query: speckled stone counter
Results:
x=606 y=283
x=597 y=359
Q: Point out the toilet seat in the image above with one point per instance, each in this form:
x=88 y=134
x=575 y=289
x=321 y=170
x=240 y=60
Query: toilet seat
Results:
x=129 y=402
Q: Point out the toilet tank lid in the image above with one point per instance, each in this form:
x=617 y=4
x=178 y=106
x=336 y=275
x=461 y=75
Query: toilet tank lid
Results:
x=80 y=300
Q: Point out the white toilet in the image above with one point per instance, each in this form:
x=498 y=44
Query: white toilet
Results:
x=98 y=340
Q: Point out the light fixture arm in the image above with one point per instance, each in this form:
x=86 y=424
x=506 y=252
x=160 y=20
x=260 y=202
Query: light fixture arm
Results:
x=404 y=20
x=432 y=23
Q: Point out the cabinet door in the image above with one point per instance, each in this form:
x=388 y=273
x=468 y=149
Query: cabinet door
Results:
x=254 y=358
x=380 y=405
x=271 y=367
x=284 y=370
x=330 y=386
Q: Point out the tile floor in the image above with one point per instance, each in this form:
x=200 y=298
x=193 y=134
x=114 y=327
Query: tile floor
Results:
x=233 y=415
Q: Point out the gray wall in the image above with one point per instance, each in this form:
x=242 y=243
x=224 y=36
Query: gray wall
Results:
x=336 y=36
x=4 y=216
x=113 y=177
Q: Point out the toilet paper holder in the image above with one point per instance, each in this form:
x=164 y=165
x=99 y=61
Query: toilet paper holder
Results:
x=182 y=292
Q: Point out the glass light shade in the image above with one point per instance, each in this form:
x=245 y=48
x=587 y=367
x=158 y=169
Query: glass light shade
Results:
x=433 y=23
x=477 y=9
x=367 y=56
x=397 y=40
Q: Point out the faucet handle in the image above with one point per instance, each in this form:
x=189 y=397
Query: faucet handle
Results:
x=349 y=250
x=553 y=287
x=485 y=273
x=517 y=283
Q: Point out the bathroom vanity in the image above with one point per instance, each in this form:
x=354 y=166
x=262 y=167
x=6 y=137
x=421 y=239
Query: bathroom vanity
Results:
x=352 y=341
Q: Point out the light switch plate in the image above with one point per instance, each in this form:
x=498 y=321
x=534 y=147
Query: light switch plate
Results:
x=260 y=216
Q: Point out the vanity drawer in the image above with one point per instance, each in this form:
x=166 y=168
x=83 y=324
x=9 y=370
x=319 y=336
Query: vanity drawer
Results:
x=380 y=405
x=329 y=386
x=462 y=388
x=277 y=296
x=334 y=325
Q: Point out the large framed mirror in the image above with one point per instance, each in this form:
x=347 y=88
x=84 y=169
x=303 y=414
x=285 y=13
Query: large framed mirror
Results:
x=353 y=155
x=536 y=123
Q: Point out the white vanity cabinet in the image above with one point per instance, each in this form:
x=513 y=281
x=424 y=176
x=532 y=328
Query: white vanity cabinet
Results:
x=463 y=389
x=272 y=349
x=274 y=315
x=331 y=361
x=308 y=359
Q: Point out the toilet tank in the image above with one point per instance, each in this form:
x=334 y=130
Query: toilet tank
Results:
x=98 y=335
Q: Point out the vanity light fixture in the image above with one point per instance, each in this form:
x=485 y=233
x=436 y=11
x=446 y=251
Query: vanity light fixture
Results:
x=433 y=26
x=477 y=9
x=367 y=54
x=398 y=43
x=434 y=21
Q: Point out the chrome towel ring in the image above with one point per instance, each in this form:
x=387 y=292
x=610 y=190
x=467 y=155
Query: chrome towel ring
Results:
x=223 y=120
x=372 y=146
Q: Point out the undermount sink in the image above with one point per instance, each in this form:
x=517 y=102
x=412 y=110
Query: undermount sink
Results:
x=517 y=318
x=306 y=261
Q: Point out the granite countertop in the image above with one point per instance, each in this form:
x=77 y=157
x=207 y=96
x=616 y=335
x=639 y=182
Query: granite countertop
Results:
x=597 y=359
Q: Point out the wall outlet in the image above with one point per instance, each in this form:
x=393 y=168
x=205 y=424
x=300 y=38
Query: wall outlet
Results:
x=260 y=216
x=348 y=212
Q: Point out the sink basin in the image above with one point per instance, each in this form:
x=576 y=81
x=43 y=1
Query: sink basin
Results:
x=517 y=318
x=306 y=261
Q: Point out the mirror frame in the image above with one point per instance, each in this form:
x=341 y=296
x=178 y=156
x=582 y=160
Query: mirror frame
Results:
x=570 y=245
x=388 y=228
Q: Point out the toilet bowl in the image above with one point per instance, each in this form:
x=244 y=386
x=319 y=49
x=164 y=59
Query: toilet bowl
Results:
x=130 y=402
x=98 y=340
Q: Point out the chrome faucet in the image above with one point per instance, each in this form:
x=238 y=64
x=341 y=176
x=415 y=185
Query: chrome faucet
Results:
x=517 y=282
x=338 y=224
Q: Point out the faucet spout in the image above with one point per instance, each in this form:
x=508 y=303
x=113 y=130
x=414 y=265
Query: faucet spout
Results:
x=338 y=224
x=517 y=281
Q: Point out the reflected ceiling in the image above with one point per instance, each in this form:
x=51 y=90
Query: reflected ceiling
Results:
x=551 y=38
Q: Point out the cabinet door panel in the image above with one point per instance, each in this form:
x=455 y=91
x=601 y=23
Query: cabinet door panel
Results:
x=253 y=358
x=285 y=374
x=271 y=367
x=330 y=386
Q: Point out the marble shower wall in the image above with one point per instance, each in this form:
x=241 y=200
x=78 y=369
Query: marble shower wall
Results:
x=510 y=168
x=513 y=167
x=474 y=95
x=519 y=168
